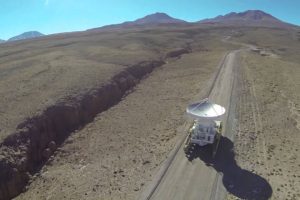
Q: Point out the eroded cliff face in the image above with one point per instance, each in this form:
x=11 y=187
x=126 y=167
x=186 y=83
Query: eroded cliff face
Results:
x=24 y=152
x=178 y=52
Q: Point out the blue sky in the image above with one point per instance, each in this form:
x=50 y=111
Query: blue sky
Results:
x=54 y=16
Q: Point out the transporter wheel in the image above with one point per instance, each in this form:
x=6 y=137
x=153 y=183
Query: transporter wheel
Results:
x=218 y=137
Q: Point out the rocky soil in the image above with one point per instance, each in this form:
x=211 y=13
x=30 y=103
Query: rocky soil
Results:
x=92 y=115
x=55 y=85
x=267 y=140
x=114 y=156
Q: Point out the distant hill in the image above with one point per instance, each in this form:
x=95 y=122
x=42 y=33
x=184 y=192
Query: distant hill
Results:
x=26 y=35
x=157 y=18
x=248 y=18
x=1 y=41
x=152 y=19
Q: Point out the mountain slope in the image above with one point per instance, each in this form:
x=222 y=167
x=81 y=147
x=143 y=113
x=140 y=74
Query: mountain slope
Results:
x=248 y=18
x=152 y=19
x=26 y=35
x=1 y=41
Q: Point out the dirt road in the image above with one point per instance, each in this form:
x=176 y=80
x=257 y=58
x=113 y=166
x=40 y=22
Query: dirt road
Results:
x=191 y=177
x=196 y=175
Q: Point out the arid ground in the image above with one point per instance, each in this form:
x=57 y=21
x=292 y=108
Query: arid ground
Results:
x=94 y=115
x=267 y=139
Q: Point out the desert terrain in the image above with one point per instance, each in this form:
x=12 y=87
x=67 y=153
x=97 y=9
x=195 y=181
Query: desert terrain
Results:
x=125 y=145
x=267 y=136
x=96 y=114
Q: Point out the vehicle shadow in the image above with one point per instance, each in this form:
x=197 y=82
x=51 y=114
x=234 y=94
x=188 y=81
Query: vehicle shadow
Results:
x=237 y=181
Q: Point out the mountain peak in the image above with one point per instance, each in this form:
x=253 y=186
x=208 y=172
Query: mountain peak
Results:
x=159 y=14
x=157 y=17
x=255 y=15
x=248 y=18
x=152 y=19
x=26 y=35
x=247 y=15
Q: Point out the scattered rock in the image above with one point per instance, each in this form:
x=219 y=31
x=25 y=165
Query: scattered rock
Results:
x=52 y=146
x=47 y=153
x=146 y=162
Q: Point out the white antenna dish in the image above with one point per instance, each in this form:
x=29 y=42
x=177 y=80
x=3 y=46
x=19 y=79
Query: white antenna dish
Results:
x=205 y=110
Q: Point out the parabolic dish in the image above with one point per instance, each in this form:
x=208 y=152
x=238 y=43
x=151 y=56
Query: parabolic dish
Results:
x=205 y=110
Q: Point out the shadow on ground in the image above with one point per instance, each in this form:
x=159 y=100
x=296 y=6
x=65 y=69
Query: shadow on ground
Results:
x=237 y=181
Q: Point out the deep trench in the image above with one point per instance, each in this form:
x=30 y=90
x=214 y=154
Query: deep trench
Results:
x=24 y=152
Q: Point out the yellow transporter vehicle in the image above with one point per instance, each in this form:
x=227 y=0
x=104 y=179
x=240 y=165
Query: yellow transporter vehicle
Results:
x=207 y=127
